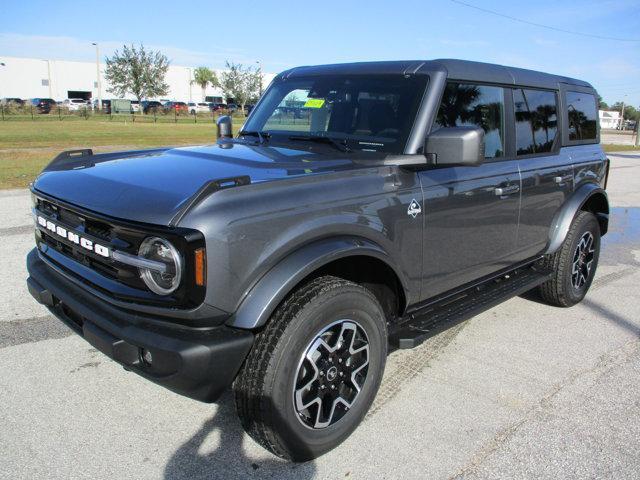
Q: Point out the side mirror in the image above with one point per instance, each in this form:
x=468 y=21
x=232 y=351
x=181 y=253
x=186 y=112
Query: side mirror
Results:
x=456 y=146
x=225 y=129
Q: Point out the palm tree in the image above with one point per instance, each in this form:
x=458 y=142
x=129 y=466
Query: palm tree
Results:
x=455 y=104
x=545 y=118
x=204 y=76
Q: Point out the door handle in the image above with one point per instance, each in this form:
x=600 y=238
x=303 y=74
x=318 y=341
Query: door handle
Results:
x=561 y=180
x=508 y=190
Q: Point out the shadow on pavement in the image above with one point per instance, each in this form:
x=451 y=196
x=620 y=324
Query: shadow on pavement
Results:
x=228 y=460
x=606 y=314
x=602 y=311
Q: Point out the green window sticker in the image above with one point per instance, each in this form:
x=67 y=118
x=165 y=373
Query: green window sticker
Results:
x=314 y=103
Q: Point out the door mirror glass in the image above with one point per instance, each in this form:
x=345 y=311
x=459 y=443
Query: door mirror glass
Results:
x=451 y=146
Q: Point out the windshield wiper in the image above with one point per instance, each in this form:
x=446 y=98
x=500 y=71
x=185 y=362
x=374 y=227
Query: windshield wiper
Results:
x=339 y=144
x=262 y=136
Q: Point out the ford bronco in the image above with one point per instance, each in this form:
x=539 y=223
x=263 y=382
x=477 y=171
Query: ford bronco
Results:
x=361 y=208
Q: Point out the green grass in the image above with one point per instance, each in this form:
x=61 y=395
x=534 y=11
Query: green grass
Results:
x=26 y=146
x=620 y=148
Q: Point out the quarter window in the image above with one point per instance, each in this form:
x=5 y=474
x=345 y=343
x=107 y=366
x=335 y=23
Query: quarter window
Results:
x=465 y=104
x=536 y=120
x=582 y=116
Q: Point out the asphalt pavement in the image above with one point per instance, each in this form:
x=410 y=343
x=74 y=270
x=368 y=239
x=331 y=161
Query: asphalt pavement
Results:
x=524 y=390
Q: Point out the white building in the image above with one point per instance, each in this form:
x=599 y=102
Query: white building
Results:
x=609 y=118
x=60 y=79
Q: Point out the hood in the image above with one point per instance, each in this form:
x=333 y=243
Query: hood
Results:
x=152 y=186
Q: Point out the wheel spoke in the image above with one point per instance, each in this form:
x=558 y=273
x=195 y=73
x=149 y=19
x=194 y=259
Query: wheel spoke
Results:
x=583 y=258
x=331 y=374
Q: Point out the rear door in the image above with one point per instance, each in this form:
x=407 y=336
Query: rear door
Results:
x=470 y=213
x=546 y=168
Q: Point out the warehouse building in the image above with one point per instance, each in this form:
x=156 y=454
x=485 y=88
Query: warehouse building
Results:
x=60 y=79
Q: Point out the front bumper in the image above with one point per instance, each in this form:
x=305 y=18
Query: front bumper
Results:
x=196 y=362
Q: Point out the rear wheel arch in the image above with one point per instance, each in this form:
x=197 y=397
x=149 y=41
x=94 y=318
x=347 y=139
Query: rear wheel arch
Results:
x=598 y=204
x=354 y=259
x=589 y=197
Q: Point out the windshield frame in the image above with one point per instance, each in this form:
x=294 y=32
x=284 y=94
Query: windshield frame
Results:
x=352 y=142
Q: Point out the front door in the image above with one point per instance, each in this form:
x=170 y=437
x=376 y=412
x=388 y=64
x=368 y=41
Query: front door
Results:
x=470 y=213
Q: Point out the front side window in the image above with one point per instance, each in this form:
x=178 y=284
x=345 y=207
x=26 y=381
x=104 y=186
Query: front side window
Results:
x=582 y=114
x=536 y=120
x=465 y=104
x=364 y=112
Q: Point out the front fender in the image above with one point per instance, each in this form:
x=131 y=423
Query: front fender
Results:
x=564 y=217
x=275 y=285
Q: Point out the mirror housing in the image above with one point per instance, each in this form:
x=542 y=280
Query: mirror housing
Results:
x=462 y=146
x=224 y=125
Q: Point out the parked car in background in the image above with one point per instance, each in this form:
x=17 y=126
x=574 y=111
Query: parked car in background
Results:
x=217 y=106
x=43 y=105
x=198 y=107
x=232 y=107
x=16 y=101
x=106 y=106
x=151 y=106
x=178 y=107
x=75 y=104
x=135 y=106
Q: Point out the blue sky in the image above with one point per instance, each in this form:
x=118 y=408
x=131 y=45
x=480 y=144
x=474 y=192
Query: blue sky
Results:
x=282 y=34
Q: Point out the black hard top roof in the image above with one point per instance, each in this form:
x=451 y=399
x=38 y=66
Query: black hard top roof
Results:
x=455 y=70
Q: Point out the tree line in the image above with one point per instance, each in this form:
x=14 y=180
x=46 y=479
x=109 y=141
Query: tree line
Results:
x=141 y=73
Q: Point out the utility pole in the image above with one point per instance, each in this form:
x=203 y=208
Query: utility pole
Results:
x=2 y=64
x=260 y=70
x=190 y=83
x=622 y=114
x=99 y=83
x=49 y=77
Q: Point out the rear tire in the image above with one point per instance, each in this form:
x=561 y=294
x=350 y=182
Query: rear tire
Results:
x=291 y=366
x=574 y=264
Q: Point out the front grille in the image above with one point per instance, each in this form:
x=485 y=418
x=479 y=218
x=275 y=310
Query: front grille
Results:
x=108 y=234
x=116 y=279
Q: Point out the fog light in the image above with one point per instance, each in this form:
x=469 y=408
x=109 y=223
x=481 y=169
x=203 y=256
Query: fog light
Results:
x=146 y=357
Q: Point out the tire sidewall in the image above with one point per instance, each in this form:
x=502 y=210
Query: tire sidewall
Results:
x=351 y=302
x=584 y=223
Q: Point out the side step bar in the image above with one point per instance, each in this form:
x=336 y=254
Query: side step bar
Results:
x=435 y=318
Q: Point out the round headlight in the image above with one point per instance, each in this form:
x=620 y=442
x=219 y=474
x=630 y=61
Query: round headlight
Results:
x=166 y=279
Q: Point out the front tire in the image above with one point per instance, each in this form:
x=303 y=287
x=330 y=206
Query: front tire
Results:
x=314 y=370
x=574 y=264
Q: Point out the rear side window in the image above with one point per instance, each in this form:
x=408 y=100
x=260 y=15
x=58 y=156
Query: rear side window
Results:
x=582 y=114
x=536 y=120
x=465 y=104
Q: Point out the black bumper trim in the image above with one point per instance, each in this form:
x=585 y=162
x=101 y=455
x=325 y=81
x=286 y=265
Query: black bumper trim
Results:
x=196 y=363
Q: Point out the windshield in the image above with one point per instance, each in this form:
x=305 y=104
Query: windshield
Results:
x=369 y=113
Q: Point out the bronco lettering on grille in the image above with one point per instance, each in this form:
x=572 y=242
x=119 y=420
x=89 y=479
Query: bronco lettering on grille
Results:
x=74 y=237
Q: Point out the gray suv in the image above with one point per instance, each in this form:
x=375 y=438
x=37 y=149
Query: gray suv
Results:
x=362 y=208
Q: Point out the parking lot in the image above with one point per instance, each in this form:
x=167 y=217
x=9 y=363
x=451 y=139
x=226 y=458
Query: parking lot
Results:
x=522 y=391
